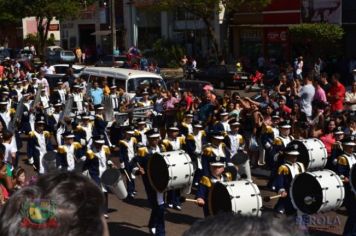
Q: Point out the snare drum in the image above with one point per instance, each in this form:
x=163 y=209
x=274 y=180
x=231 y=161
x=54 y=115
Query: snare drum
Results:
x=315 y=192
x=171 y=170
x=313 y=153
x=239 y=197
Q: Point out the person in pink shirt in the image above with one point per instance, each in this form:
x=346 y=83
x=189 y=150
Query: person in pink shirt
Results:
x=327 y=137
x=320 y=95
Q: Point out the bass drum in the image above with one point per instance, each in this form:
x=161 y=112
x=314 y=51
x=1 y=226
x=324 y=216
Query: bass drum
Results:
x=313 y=153
x=171 y=170
x=112 y=179
x=315 y=192
x=353 y=178
x=239 y=197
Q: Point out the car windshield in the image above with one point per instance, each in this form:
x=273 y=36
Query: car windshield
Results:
x=68 y=53
x=63 y=70
x=144 y=81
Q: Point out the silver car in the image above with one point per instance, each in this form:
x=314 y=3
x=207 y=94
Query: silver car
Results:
x=67 y=56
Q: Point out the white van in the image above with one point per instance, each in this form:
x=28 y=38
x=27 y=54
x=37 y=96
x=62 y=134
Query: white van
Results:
x=131 y=80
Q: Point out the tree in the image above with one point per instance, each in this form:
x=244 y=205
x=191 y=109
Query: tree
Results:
x=206 y=10
x=44 y=11
x=317 y=39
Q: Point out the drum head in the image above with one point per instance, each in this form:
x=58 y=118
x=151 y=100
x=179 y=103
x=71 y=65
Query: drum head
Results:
x=307 y=193
x=158 y=172
x=239 y=158
x=219 y=199
x=353 y=178
x=303 y=152
x=110 y=177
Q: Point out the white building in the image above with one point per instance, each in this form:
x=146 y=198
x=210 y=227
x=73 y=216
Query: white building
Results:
x=29 y=25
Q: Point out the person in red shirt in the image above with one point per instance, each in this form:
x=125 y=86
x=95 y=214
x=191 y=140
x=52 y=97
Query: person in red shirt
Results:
x=283 y=108
x=336 y=94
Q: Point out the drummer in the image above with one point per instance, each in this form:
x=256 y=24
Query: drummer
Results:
x=286 y=173
x=233 y=140
x=96 y=162
x=344 y=165
x=217 y=149
x=279 y=144
x=156 y=200
x=174 y=142
x=217 y=167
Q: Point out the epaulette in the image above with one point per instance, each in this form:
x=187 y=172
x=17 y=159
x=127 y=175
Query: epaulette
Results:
x=124 y=143
x=142 y=152
x=163 y=148
x=277 y=141
x=106 y=149
x=203 y=133
x=182 y=140
x=137 y=133
x=267 y=129
x=242 y=140
x=80 y=128
x=140 y=104
x=166 y=142
x=46 y=134
x=342 y=160
x=223 y=145
x=134 y=140
x=12 y=111
x=283 y=170
x=184 y=124
x=208 y=151
x=228 y=176
x=77 y=145
x=190 y=137
x=90 y=154
x=205 y=181
x=62 y=150
x=32 y=134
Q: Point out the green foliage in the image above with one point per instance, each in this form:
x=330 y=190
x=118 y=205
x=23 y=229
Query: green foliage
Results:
x=317 y=39
x=168 y=53
x=318 y=32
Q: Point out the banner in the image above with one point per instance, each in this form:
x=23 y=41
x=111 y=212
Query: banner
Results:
x=328 y=11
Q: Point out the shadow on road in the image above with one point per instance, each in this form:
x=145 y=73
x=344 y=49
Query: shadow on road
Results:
x=180 y=218
x=116 y=228
x=139 y=202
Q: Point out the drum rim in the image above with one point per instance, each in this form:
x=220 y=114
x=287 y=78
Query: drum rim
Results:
x=113 y=171
x=309 y=163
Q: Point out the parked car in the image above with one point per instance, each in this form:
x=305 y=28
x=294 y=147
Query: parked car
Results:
x=52 y=54
x=224 y=76
x=112 y=61
x=5 y=53
x=24 y=55
x=61 y=70
x=66 y=56
x=195 y=86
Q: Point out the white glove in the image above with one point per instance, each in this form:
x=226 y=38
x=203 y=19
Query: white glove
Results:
x=110 y=163
x=83 y=142
x=122 y=165
x=83 y=158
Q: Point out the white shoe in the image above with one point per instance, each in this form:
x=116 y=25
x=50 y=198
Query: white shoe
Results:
x=106 y=216
x=30 y=161
x=179 y=208
x=170 y=205
x=153 y=231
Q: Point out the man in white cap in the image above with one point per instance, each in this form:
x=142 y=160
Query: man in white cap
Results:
x=69 y=153
x=78 y=98
x=186 y=126
x=286 y=173
x=233 y=140
x=223 y=124
x=156 y=199
x=216 y=170
x=39 y=144
x=96 y=162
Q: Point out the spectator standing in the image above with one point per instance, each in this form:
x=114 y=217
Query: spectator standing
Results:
x=306 y=95
x=79 y=55
x=96 y=94
x=336 y=94
x=320 y=95
x=350 y=97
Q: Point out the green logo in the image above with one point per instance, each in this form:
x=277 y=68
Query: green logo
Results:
x=39 y=214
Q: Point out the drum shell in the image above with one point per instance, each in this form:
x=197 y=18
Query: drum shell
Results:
x=113 y=180
x=325 y=187
x=239 y=197
x=171 y=170
x=242 y=161
x=312 y=153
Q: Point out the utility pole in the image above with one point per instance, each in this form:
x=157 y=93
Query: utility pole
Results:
x=113 y=26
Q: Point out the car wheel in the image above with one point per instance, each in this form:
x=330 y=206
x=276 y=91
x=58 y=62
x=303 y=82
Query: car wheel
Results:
x=221 y=84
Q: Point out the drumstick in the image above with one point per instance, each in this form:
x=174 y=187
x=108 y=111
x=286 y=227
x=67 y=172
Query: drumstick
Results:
x=184 y=199
x=267 y=199
x=127 y=175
